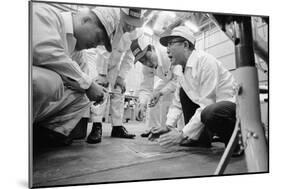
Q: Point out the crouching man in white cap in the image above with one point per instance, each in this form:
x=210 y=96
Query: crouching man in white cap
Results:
x=113 y=67
x=62 y=89
x=157 y=96
x=205 y=95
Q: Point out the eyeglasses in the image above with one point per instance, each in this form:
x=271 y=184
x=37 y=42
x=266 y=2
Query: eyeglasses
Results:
x=173 y=41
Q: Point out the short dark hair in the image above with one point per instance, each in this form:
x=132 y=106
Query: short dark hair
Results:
x=97 y=21
x=101 y=26
x=190 y=45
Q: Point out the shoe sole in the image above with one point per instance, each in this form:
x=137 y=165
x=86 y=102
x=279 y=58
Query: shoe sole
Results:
x=93 y=141
x=123 y=137
x=144 y=136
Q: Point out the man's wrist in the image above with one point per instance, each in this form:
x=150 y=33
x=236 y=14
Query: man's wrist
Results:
x=182 y=135
x=170 y=127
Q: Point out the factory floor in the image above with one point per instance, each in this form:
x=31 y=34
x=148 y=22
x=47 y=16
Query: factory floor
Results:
x=115 y=160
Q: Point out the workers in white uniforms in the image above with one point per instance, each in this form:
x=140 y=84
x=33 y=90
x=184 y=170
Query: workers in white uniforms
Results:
x=205 y=94
x=61 y=85
x=158 y=96
x=113 y=68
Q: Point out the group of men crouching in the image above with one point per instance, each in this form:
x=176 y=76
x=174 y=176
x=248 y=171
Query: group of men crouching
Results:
x=193 y=84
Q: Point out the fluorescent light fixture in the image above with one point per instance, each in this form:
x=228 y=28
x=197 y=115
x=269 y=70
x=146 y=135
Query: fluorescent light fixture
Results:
x=191 y=26
x=148 y=30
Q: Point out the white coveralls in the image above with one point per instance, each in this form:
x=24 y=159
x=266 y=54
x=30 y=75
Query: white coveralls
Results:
x=116 y=63
x=57 y=71
x=166 y=83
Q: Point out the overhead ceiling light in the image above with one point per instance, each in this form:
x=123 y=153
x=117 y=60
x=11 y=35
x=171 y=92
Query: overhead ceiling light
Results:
x=192 y=26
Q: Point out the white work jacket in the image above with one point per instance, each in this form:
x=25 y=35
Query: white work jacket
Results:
x=53 y=44
x=166 y=83
x=121 y=58
x=206 y=82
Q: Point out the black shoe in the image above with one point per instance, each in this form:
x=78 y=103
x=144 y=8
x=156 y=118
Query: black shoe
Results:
x=46 y=138
x=96 y=134
x=121 y=132
x=59 y=139
x=204 y=140
x=238 y=151
x=145 y=134
x=195 y=143
x=80 y=130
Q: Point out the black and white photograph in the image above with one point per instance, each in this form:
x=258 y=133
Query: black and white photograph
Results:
x=128 y=94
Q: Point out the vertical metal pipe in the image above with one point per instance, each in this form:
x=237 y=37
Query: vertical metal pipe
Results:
x=256 y=149
x=244 y=45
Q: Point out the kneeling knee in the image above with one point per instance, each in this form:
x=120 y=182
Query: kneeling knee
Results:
x=47 y=83
x=208 y=113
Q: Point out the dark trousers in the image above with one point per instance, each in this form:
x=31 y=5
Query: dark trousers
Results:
x=218 y=118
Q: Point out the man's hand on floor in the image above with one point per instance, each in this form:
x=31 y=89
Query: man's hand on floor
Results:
x=172 y=138
x=155 y=132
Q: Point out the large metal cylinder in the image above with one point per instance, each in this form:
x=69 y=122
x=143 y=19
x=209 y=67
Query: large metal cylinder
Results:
x=256 y=149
